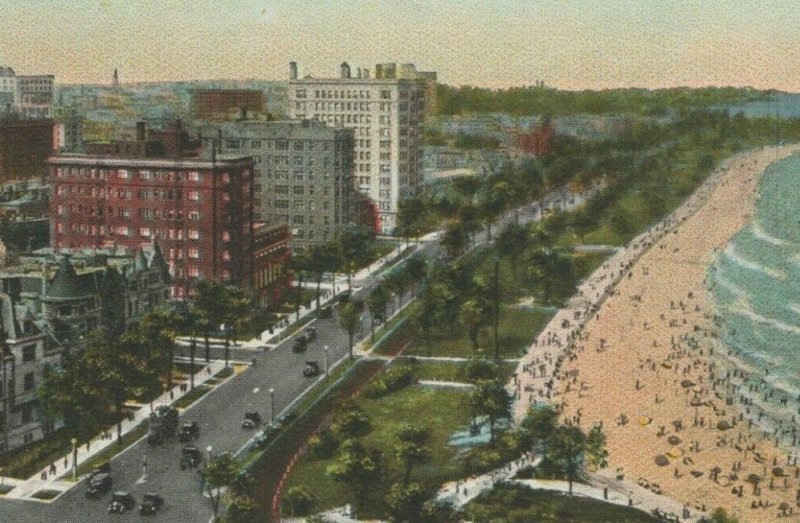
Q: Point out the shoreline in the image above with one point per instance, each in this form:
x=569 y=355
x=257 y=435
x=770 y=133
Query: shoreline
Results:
x=646 y=317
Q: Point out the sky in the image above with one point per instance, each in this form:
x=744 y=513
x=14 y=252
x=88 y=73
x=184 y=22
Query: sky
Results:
x=569 y=44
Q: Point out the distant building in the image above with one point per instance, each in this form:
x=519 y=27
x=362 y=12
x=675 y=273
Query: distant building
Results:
x=271 y=253
x=303 y=173
x=391 y=71
x=226 y=104
x=8 y=90
x=51 y=301
x=199 y=209
x=386 y=114
x=69 y=129
x=536 y=142
x=24 y=147
x=35 y=96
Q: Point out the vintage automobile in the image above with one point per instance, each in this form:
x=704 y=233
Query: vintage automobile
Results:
x=120 y=502
x=191 y=457
x=311 y=369
x=324 y=312
x=189 y=431
x=99 y=484
x=151 y=503
x=301 y=342
x=251 y=420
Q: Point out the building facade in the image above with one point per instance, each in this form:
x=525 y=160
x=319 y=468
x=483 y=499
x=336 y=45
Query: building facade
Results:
x=25 y=145
x=386 y=116
x=200 y=210
x=52 y=300
x=271 y=253
x=8 y=90
x=226 y=104
x=303 y=174
x=35 y=96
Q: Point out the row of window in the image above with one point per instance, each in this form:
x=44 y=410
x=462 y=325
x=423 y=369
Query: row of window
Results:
x=127 y=194
x=127 y=174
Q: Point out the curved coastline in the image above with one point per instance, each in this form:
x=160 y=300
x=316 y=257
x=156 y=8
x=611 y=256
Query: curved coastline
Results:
x=643 y=327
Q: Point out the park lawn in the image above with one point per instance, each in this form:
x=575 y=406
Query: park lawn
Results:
x=516 y=331
x=23 y=462
x=518 y=503
x=442 y=410
x=454 y=370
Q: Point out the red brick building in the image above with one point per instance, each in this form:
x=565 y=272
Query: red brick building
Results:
x=271 y=253
x=200 y=211
x=536 y=142
x=24 y=147
x=222 y=104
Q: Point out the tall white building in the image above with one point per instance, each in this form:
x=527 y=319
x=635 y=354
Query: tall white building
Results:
x=8 y=90
x=29 y=96
x=386 y=114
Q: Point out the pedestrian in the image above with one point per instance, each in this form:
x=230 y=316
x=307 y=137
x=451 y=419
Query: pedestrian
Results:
x=52 y=468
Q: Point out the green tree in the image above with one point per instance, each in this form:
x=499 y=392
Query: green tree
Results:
x=548 y=266
x=376 y=303
x=157 y=330
x=481 y=369
x=511 y=243
x=596 y=452
x=416 y=268
x=566 y=447
x=490 y=399
x=539 y=425
x=412 y=448
x=209 y=302
x=357 y=468
x=454 y=240
x=298 y=501
x=406 y=503
x=474 y=316
x=220 y=472
x=721 y=516
x=241 y=509
x=352 y=423
x=349 y=319
x=322 y=259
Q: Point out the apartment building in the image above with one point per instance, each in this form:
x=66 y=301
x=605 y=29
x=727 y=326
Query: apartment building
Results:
x=386 y=116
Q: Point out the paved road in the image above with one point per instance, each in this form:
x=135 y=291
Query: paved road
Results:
x=220 y=415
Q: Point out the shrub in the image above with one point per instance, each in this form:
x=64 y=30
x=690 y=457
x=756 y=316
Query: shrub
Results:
x=396 y=377
x=298 y=501
x=324 y=444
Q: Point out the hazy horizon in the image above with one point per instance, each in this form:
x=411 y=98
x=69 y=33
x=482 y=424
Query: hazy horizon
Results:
x=575 y=45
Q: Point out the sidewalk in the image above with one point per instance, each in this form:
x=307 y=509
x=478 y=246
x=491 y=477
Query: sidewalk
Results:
x=59 y=475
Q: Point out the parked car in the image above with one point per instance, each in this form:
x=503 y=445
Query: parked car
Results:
x=151 y=503
x=251 y=420
x=310 y=334
x=189 y=431
x=191 y=457
x=324 y=312
x=99 y=484
x=120 y=502
x=311 y=369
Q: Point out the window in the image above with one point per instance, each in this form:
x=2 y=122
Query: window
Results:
x=123 y=174
x=226 y=256
x=194 y=234
x=30 y=381
x=28 y=353
x=299 y=189
x=194 y=176
x=194 y=196
x=194 y=253
x=144 y=232
x=194 y=272
x=226 y=236
x=232 y=144
x=386 y=95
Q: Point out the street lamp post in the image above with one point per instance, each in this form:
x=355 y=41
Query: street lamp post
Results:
x=326 y=360
x=271 y=406
x=227 y=344
x=209 y=449
x=74 y=442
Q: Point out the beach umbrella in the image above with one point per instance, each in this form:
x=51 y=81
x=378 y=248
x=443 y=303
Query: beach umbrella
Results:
x=644 y=421
x=687 y=383
x=674 y=440
x=723 y=425
x=675 y=452
x=777 y=471
x=662 y=460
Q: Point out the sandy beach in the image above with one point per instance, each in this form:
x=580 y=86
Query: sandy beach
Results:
x=635 y=351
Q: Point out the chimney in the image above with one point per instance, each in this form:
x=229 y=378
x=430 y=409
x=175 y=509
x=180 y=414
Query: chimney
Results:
x=345 y=70
x=292 y=70
x=141 y=131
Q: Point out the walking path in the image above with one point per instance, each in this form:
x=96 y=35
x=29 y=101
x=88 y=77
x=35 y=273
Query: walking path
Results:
x=58 y=475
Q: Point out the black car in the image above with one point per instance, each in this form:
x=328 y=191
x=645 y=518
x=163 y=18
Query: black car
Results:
x=189 y=431
x=190 y=457
x=120 y=502
x=151 y=503
x=300 y=344
x=99 y=484
x=251 y=420
x=311 y=369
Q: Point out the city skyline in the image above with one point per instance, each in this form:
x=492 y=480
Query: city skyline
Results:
x=575 y=45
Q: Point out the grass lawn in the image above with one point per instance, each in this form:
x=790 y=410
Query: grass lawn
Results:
x=191 y=396
x=46 y=494
x=23 y=462
x=518 y=503
x=517 y=329
x=441 y=410
x=109 y=452
x=186 y=368
x=453 y=371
